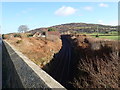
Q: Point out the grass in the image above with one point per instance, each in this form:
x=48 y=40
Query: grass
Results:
x=95 y=33
x=109 y=37
x=113 y=35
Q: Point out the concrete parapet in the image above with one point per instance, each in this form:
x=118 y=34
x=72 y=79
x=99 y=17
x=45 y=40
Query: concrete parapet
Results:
x=20 y=72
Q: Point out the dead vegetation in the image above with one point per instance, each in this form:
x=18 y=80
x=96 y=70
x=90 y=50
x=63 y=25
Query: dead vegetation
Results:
x=39 y=49
x=96 y=63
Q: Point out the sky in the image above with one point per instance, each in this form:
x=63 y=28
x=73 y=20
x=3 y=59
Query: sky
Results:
x=45 y=14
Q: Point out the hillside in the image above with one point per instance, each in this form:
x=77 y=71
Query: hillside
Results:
x=96 y=63
x=79 y=27
x=37 y=49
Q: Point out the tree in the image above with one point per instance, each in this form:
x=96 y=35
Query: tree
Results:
x=23 y=28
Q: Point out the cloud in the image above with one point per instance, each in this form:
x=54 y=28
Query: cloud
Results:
x=65 y=11
x=103 y=5
x=80 y=15
x=89 y=8
x=100 y=21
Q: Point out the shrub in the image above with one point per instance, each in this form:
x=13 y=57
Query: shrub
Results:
x=17 y=35
x=30 y=35
x=51 y=29
x=3 y=36
x=19 y=41
x=97 y=35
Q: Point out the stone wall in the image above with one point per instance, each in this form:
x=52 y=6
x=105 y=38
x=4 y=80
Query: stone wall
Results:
x=20 y=72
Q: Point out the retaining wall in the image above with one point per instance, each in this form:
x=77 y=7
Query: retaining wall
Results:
x=20 y=72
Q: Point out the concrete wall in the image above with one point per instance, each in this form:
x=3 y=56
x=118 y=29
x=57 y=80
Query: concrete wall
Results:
x=0 y=63
x=20 y=72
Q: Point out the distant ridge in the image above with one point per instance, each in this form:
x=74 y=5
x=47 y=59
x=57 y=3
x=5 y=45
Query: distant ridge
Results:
x=78 y=27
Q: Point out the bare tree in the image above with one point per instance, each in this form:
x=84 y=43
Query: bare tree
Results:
x=23 y=28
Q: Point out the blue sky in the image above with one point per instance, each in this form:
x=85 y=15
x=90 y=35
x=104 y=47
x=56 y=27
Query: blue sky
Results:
x=45 y=14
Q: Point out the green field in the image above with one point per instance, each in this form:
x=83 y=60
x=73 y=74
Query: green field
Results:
x=110 y=35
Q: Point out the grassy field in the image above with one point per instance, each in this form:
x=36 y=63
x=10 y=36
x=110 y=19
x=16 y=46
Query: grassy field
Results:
x=113 y=35
x=95 y=33
x=109 y=37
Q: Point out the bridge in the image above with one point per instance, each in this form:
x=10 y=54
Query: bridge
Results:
x=20 y=72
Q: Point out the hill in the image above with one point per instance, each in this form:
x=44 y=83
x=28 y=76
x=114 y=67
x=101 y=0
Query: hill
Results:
x=79 y=27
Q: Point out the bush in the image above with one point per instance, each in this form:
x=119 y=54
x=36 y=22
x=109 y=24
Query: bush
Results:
x=51 y=29
x=3 y=36
x=97 y=35
x=17 y=35
x=30 y=35
x=19 y=41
